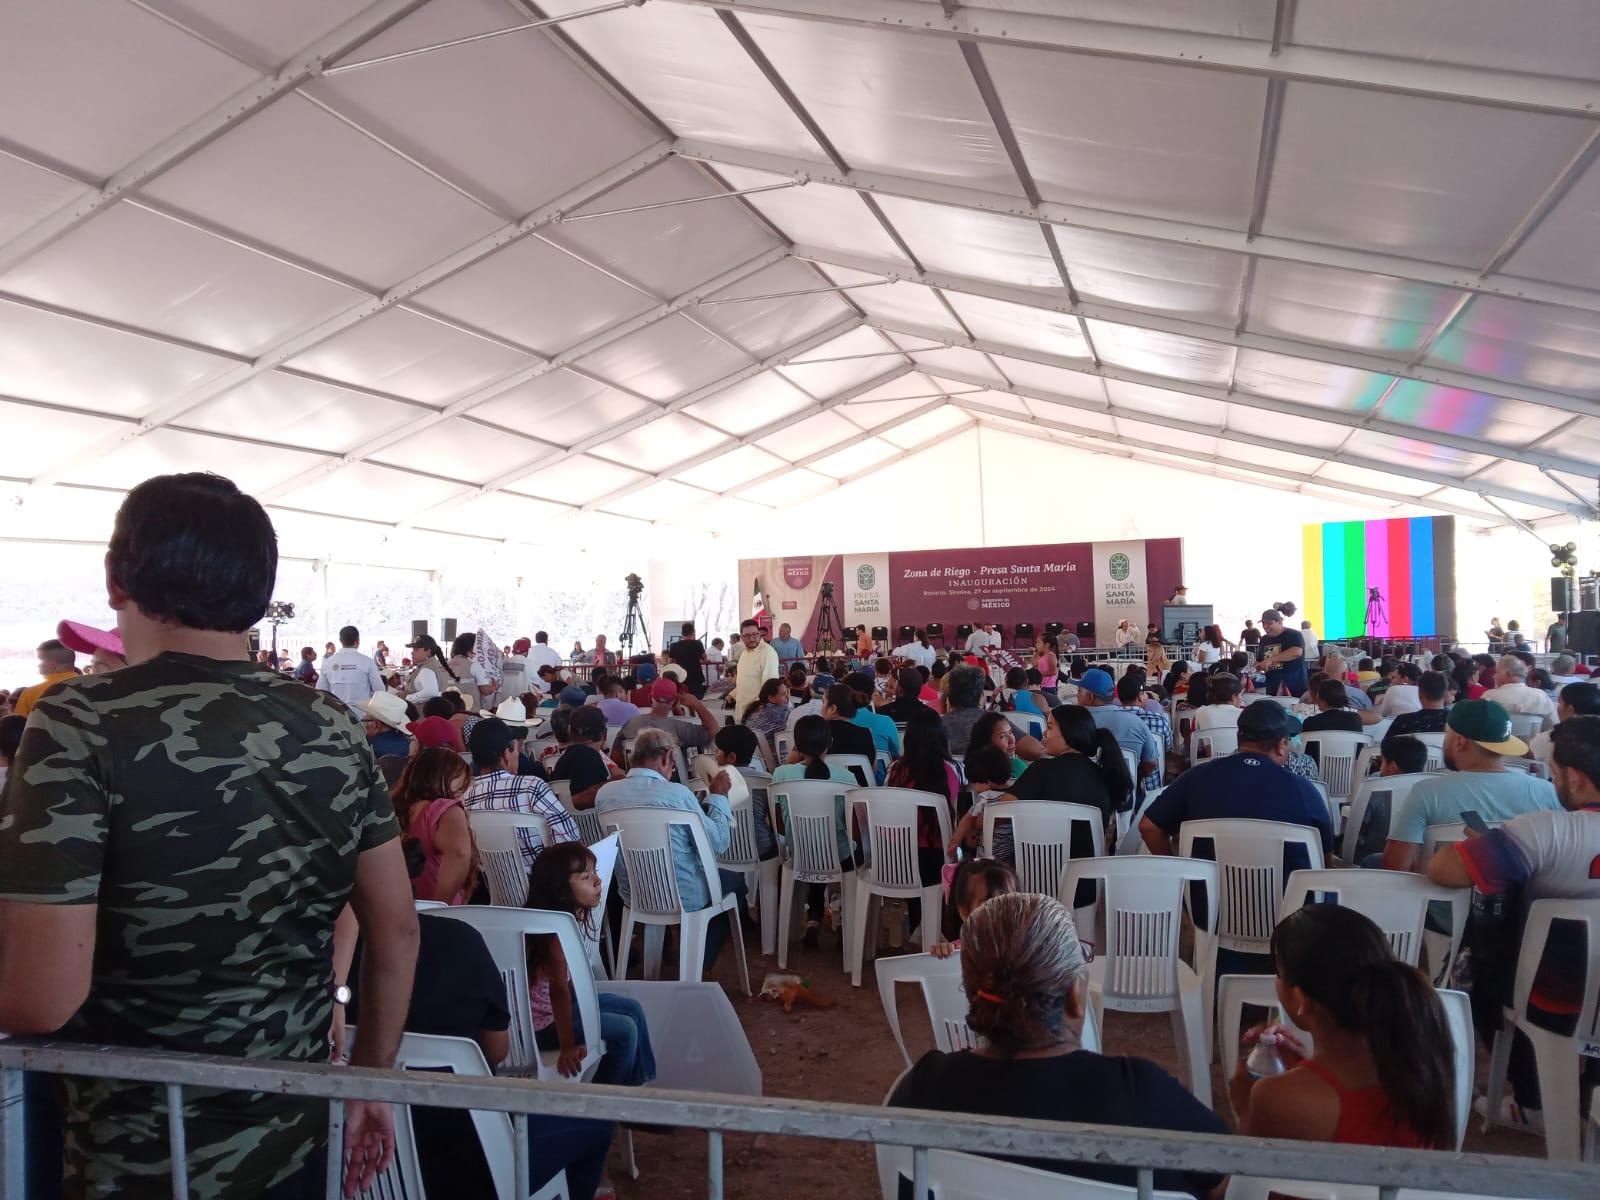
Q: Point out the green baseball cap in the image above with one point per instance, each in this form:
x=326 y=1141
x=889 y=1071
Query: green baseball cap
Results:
x=1488 y=724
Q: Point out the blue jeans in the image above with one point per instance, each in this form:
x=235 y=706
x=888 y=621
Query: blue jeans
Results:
x=629 y=1060
x=566 y=1143
x=717 y=933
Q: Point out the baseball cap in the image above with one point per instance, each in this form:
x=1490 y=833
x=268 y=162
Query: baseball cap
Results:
x=1267 y=721
x=1271 y=614
x=822 y=681
x=576 y=697
x=1488 y=724
x=432 y=732
x=521 y=646
x=422 y=640
x=645 y=672
x=491 y=737
x=664 y=689
x=1098 y=683
x=86 y=639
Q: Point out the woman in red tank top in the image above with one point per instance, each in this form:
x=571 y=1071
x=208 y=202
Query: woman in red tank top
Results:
x=1382 y=1069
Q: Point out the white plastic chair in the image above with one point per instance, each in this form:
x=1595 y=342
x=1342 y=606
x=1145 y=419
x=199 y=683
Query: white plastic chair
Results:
x=1249 y=857
x=744 y=855
x=782 y=743
x=1556 y=1056
x=1041 y=838
x=1138 y=969
x=1367 y=759
x=587 y=820
x=1525 y=725
x=864 y=769
x=890 y=821
x=939 y=980
x=653 y=898
x=809 y=848
x=1395 y=788
x=425 y=905
x=505 y=868
x=1395 y=901
x=955 y=1176
x=505 y=932
x=1335 y=753
x=459 y=1056
x=611 y=736
x=1213 y=743
x=1029 y=723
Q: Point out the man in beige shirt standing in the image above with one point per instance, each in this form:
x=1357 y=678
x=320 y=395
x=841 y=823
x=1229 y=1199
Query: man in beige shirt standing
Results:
x=758 y=662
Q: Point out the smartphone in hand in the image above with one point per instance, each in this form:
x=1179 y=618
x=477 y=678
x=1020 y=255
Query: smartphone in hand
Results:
x=1473 y=821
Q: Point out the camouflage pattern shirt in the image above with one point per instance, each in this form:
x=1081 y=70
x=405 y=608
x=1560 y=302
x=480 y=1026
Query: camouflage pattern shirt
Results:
x=213 y=810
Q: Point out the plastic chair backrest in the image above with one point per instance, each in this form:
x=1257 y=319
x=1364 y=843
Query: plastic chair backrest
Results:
x=1542 y=916
x=1029 y=723
x=892 y=820
x=1132 y=759
x=1336 y=751
x=1249 y=857
x=611 y=736
x=1395 y=788
x=1443 y=834
x=956 y=1176
x=587 y=820
x=1213 y=743
x=505 y=932
x=1395 y=901
x=647 y=855
x=782 y=743
x=505 y=869
x=1144 y=901
x=1525 y=725
x=742 y=853
x=811 y=835
x=859 y=765
x=1041 y=838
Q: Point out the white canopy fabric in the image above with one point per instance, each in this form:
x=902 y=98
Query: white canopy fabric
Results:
x=1342 y=243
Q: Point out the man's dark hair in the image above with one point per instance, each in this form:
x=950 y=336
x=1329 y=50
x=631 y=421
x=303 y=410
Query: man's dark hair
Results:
x=688 y=629
x=1364 y=664
x=1035 y=676
x=1408 y=753
x=541 y=636
x=1409 y=671
x=927 y=672
x=1221 y=688
x=844 y=699
x=1128 y=687
x=194 y=550
x=739 y=741
x=56 y=653
x=747 y=622
x=1575 y=744
x=964 y=687
x=349 y=636
x=1525 y=655
x=1016 y=678
x=458 y=702
x=588 y=724
x=438 y=706
x=1582 y=698
x=1331 y=692
x=1431 y=685
x=11 y=735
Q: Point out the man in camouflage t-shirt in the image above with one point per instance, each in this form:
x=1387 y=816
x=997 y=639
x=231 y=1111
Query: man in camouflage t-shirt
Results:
x=177 y=841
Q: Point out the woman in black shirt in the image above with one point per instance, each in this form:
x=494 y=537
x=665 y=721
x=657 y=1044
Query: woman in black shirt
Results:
x=1333 y=709
x=1024 y=971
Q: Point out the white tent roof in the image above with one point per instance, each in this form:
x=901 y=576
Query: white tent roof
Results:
x=1342 y=243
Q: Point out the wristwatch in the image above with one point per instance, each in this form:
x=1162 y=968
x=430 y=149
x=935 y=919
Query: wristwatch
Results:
x=341 y=993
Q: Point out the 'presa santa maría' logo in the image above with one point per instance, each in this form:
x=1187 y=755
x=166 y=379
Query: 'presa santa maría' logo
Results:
x=866 y=577
x=1119 y=567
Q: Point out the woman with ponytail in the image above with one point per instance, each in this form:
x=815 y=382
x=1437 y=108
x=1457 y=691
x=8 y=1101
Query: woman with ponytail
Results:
x=809 y=760
x=1382 y=1072
x=1025 y=976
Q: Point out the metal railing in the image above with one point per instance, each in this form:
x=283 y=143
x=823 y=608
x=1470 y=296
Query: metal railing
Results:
x=1145 y=1151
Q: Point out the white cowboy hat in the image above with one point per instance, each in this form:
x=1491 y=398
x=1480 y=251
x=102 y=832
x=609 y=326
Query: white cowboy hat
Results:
x=513 y=711
x=381 y=706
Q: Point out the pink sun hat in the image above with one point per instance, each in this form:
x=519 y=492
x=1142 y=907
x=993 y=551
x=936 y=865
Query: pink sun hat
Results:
x=86 y=639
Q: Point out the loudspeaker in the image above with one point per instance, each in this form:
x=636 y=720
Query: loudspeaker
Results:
x=447 y=633
x=1085 y=631
x=418 y=629
x=1563 y=594
x=255 y=642
x=1583 y=632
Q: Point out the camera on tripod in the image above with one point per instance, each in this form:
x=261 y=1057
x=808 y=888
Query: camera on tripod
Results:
x=635 y=588
x=827 y=589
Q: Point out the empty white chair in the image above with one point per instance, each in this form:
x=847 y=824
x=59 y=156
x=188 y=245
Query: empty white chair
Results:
x=1556 y=1055
x=1388 y=792
x=954 y=1176
x=809 y=842
x=1251 y=875
x=611 y=736
x=744 y=855
x=403 y=1179
x=653 y=898
x=1138 y=968
x=500 y=851
x=505 y=932
x=1335 y=751
x=1041 y=838
x=1029 y=723
x=1213 y=743
x=1335 y=813
x=859 y=765
x=890 y=819
x=587 y=820
x=1525 y=725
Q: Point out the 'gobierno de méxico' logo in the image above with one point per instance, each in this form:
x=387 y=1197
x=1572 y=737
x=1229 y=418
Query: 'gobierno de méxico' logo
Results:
x=866 y=576
x=1120 y=567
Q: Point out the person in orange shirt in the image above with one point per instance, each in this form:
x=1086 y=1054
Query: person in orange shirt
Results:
x=55 y=664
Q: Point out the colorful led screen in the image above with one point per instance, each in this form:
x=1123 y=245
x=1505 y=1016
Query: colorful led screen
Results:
x=1411 y=562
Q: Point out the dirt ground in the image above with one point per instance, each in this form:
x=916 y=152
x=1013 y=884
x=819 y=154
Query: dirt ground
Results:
x=847 y=1054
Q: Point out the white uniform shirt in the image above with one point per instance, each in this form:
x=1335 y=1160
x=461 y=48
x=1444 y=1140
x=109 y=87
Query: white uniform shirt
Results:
x=351 y=676
x=1400 y=698
x=978 y=641
x=541 y=656
x=915 y=652
x=1520 y=698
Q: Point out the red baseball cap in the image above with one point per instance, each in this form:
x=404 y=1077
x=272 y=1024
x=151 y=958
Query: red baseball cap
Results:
x=663 y=689
x=86 y=639
x=521 y=646
x=431 y=732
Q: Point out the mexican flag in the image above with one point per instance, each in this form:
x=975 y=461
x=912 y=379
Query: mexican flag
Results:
x=758 y=603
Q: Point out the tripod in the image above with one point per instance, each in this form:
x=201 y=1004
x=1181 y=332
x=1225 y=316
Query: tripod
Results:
x=632 y=626
x=830 y=622
x=1376 y=614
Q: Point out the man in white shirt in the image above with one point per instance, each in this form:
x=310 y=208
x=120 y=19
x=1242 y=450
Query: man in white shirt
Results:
x=758 y=662
x=915 y=652
x=541 y=655
x=981 y=638
x=348 y=673
x=1310 y=637
x=1401 y=696
x=1512 y=693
